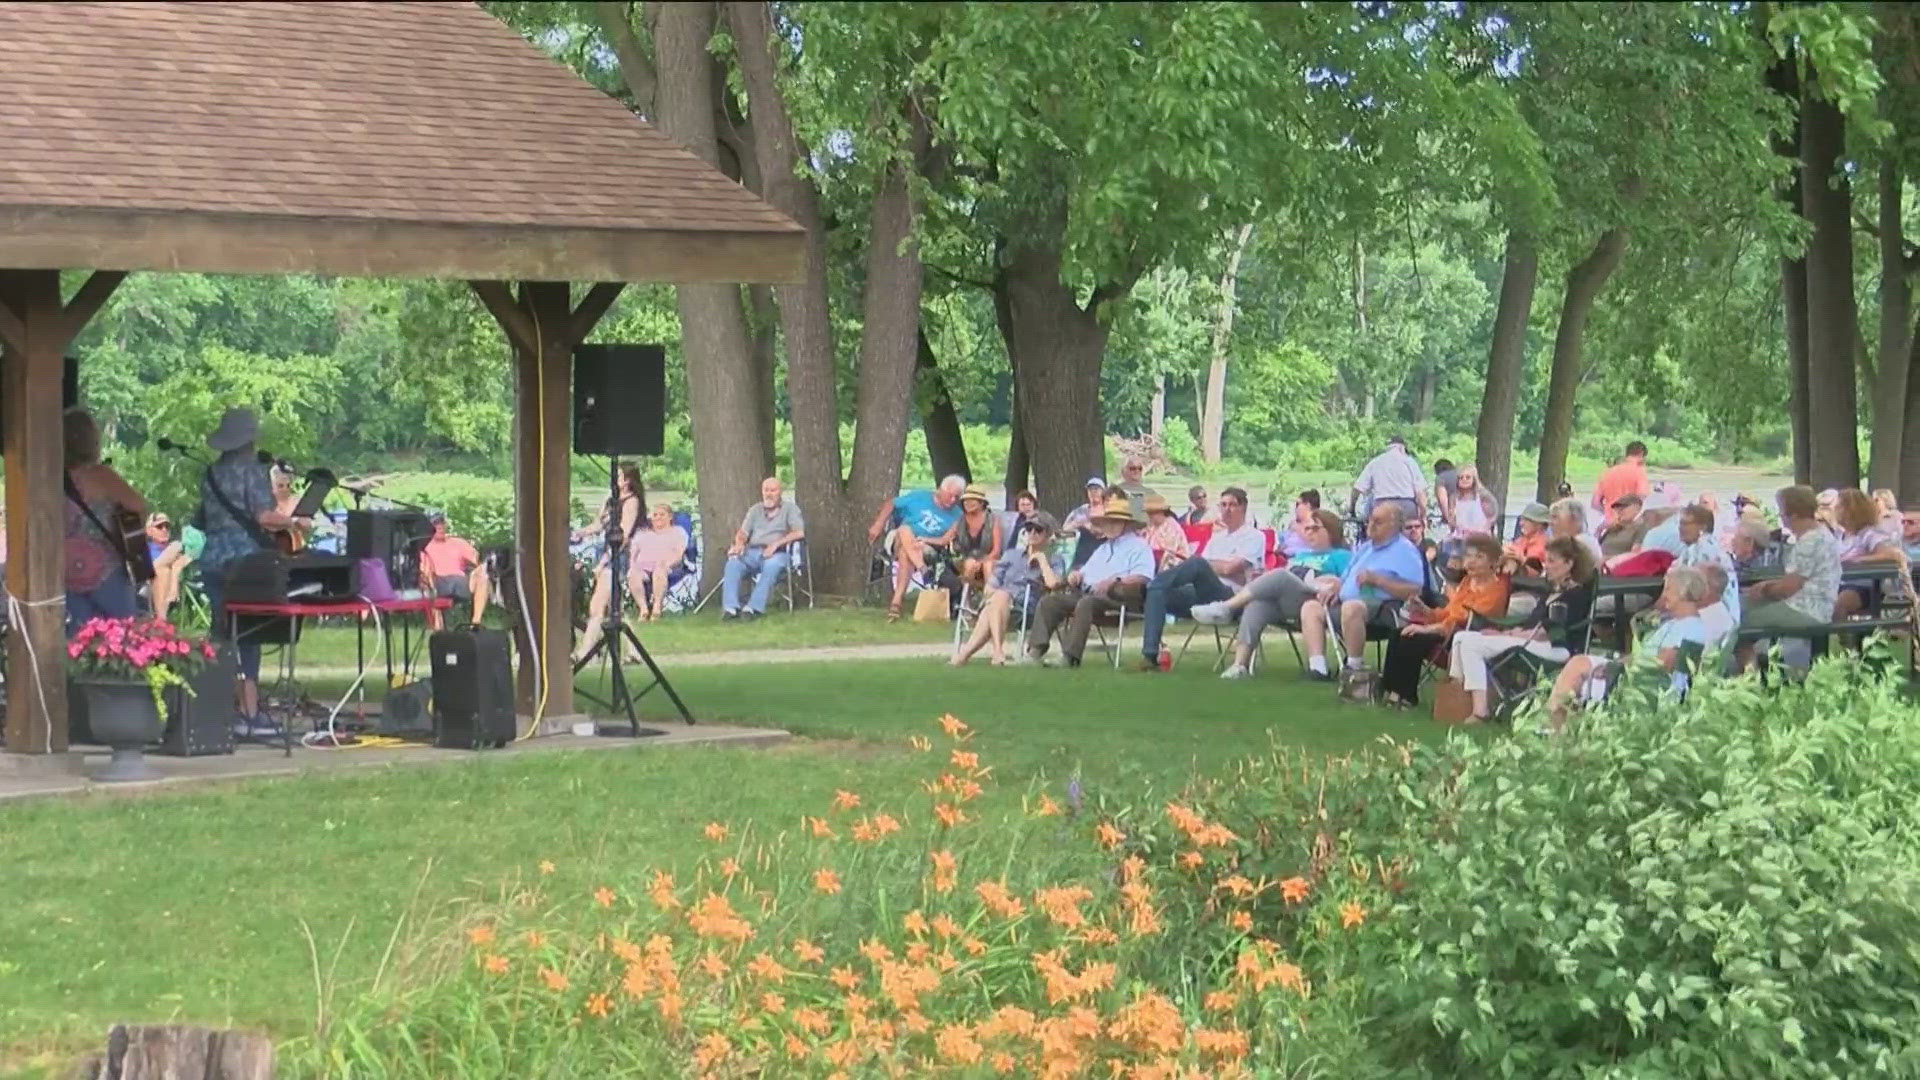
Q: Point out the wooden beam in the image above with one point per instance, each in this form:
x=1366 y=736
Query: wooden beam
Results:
x=36 y=514
x=87 y=299
x=230 y=243
x=593 y=307
x=507 y=312
x=13 y=332
x=543 y=443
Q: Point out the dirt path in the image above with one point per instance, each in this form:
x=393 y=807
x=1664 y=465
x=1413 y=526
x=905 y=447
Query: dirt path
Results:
x=827 y=654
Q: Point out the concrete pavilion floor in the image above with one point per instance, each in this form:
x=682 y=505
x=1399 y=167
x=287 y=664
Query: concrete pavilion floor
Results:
x=24 y=777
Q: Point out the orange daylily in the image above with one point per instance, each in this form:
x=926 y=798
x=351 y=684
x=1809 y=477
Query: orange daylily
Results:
x=1352 y=915
x=812 y=1021
x=953 y=726
x=603 y=896
x=535 y=939
x=772 y=1002
x=495 y=964
x=555 y=981
x=965 y=759
x=715 y=831
x=546 y=866
x=1046 y=807
x=1191 y=860
x=1109 y=836
x=1294 y=889
x=481 y=935
x=820 y=829
x=764 y=966
x=914 y=923
x=1240 y=921
x=845 y=978
x=598 y=1005
x=1220 y=1001
x=826 y=881
x=729 y=867
x=712 y=1049
x=944 y=925
x=807 y=952
x=845 y=800
x=957 y=1046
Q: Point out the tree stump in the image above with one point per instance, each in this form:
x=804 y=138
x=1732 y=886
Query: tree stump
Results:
x=179 y=1052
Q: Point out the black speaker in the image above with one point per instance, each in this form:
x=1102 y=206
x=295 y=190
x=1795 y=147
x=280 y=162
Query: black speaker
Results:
x=201 y=723
x=472 y=689
x=620 y=399
x=404 y=712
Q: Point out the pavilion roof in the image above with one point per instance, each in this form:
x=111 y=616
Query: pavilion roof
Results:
x=407 y=139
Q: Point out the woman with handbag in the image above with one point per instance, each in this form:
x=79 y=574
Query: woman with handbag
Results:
x=99 y=578
x=238 y=515
x=1482 y=591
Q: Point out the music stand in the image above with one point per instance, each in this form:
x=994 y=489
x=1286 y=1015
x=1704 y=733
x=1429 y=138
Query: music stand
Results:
x=320 y=484
x=620 y=699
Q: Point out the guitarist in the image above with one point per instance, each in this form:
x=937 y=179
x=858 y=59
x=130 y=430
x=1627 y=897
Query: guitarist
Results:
x=238 y=514
x=100 y=581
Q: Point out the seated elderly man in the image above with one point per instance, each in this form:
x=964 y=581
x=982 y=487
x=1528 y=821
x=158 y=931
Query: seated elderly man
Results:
x=1386 y=570
x=450 y=567
x=1625 y=531
x=1752 y=546
x=1114 y=577
x=762 y=547
x=928 y=522
x=1567 y=518
x=1235 y=552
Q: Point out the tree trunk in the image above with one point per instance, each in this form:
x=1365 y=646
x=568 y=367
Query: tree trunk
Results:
x=1584 y=283
x=1057 y=378
x=1832 y=321
x=1019 y=456
x=724 y=388
x=764 y=325
x=939 y=423
x=1909 y=486
x=1896 y=311
x=1213 y=413
x=1429 y=389
x=1157 y=409
x=1783 y=78
x=1493 y=443
x=838 y=510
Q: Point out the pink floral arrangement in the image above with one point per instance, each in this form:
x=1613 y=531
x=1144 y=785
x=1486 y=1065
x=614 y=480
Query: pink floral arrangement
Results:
x=152 y=651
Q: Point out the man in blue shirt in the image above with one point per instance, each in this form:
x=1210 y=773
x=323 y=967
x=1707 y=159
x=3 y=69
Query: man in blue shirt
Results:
x=1115 y=576
x=927 y=520
x=1387 y=570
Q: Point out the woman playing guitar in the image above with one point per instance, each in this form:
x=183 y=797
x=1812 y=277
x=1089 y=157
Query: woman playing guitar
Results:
x=101 y=564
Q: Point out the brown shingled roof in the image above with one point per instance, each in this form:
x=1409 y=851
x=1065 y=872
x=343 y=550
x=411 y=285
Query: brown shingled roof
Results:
x=207 y=136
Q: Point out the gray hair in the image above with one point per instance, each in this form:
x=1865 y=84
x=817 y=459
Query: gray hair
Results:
x=1569 y=508
x=1716 y=576
x=956 y=482
x=1398 y=512
x=1689 y=584
x=1755 y=533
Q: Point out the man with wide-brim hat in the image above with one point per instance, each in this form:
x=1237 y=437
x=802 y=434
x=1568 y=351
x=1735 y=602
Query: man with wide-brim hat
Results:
x=1115 y=576
x=237 y=514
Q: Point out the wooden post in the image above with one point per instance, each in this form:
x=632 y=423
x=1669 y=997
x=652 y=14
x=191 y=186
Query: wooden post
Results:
x=543 y=445
x=36 y=518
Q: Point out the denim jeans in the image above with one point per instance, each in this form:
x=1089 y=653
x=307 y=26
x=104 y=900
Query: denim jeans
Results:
x=1178 y=589
x=766 y=570
x=113 y=598
x=213 y=582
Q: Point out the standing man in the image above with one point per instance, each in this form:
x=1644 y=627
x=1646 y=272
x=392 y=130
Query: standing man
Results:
x=1113 y=577
x=1132 y=472
x=451 y=567
x=1392 y=478
x=1626 y=477
x=760 y=548
x=1232 y=556
x=928 y=521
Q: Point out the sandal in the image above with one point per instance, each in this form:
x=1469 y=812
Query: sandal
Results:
x=893 y=613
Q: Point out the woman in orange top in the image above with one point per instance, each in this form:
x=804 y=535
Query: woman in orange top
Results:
x=1483 y=591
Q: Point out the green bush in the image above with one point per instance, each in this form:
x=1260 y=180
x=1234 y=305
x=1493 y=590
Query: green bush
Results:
x=479 y=508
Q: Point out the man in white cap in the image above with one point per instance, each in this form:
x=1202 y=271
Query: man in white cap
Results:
x=1115 y=576
x=238 y=516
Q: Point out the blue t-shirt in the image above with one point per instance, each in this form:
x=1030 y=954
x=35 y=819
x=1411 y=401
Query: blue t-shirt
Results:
x=1331 y=561
x=1398 y=559
x=923 y=516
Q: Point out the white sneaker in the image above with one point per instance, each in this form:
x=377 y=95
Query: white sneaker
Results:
x=1213 y=614
x=1235 y=671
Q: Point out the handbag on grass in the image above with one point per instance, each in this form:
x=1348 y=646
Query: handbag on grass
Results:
x=1452 y=704
x=931 y=605
x=1359 y=685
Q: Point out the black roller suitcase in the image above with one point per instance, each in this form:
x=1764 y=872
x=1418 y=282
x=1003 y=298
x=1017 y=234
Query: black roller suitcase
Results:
x=472 y=689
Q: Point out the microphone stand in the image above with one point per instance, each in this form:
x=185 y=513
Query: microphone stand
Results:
x=620 y=698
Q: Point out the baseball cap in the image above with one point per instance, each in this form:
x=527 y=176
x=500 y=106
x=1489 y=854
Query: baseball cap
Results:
x=1629 y=499
x=1097 y=481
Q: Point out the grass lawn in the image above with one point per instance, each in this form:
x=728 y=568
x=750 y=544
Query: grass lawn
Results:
x=332 y=645
x=193 y=905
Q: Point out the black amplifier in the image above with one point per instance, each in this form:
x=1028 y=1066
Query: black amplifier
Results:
x=316 y=579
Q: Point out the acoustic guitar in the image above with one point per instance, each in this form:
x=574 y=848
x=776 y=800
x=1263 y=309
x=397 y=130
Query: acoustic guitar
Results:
x=131 y=539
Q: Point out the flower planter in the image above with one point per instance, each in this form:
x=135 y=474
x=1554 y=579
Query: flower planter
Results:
x=123 y=716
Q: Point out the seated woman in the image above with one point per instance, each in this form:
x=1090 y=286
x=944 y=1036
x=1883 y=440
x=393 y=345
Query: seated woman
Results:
x=1483 y=591
x=1022 y=576
x=1861 y=542
x=1277 y=596
x=1686 y=593
x=976 y=542
x=1525 y=553
x=1164 y=534
x=1555 y=630
x=1296 y=539
x=652 y=553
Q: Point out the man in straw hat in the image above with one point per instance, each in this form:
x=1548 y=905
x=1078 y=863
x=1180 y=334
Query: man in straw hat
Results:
x=1114 y=576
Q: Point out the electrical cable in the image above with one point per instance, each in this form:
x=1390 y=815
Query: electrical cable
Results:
x=15 y=609
x=540 y=675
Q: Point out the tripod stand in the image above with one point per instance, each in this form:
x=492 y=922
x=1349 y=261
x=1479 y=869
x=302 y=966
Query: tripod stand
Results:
x=614 y=629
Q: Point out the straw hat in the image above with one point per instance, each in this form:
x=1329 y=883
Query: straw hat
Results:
x=975 y=491
x=1157 y=504
x=1119 y=508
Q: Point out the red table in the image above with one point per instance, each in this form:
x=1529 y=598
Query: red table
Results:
x=354 y=608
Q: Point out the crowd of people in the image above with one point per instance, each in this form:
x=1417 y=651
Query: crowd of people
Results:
x=1475 y=593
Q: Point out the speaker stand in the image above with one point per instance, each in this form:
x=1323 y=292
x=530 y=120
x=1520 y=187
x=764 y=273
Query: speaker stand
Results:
x=615 y=631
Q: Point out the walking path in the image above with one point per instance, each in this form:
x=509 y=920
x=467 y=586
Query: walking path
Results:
x=823 y=654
